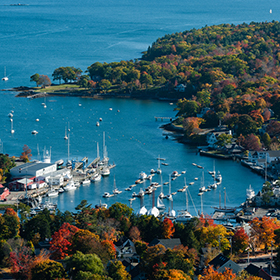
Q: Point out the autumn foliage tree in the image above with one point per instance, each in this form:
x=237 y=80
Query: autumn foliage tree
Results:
x=263 y=229
x=240 y=240
x=62 y=241
x=26 y=154
x=211 y=274
x=167 y=228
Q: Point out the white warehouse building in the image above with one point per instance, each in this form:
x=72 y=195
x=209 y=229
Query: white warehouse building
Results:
x=33 y=169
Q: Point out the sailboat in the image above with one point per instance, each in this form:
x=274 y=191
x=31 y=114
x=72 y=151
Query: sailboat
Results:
x=224 y=209
x=158 y=169
x=169 y=196
x=161 y=195
x=116 y=191
x=5 y=78
x=160 y=204
x=12 y=130
x=65 y=137
x=184 y=215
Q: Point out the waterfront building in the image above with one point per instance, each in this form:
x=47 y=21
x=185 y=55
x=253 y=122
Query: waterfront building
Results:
x=260 y=157
x=211 y=137
x=35 y=169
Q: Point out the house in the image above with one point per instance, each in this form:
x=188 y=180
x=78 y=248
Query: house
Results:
x=180 y=88
x=262 y=156
x=258 y=271
x=125 y=247
x=212 y=137
x=167 y=243
x=4 y=192
x=203 y=112
x=20 y=184
x=220 y=263
x=35 y=169
x=233 y=149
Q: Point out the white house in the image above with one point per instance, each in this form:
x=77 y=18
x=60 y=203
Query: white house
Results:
x=260 y=157
x=212 y=136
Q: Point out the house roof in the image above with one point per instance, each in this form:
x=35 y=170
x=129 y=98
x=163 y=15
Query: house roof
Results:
x=257 y=271
x=121 y=241
x=219 y=261
x=167 y=243
x=24 y=180
x=274 y=153
x=32 y=166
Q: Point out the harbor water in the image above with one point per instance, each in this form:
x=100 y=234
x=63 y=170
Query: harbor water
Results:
x=134 y=141
x=43 y=35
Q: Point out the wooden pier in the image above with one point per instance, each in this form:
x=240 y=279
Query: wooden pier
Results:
x=95 y=161
x=163 y=118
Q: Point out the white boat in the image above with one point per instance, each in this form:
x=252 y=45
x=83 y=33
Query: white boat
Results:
x=96 y=178
x=250 y=193
x=37 y=120
x=59 y=162
x=183 y=172
x=142 y=211
x=107 y=195
x=153 y=212
x=140 y=194
x=34 y=132
x=12 y=129
x=183 y=216
x=105 y=171
x=142 y=176
x=60 y=190
x=175 y=174
x=86 y=182
x=5 y=78
x=219 y=177
x=153 y=171
x=116 y=191
x=10 y=115
x=70 y=186
x=169 y=196
x=158 y=169
x=160 y=204
x=101 y=205
x=100 y=119
x=97 y=123
x=52 y=193
x=65 y=137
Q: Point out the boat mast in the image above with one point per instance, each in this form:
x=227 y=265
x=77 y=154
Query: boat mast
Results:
x=201 y=205
x=97 y=146
x=68 y=147
x=225 y=199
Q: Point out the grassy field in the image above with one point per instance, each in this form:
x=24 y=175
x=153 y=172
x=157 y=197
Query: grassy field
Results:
x=60 y=88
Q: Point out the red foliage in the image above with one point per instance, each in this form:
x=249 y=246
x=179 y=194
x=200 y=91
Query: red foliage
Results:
x=21 y=261
x=61 y=241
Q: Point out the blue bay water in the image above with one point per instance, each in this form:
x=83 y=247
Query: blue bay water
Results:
x=48 y=34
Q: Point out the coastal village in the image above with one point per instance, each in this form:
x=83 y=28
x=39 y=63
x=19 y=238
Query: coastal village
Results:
x=229 y=107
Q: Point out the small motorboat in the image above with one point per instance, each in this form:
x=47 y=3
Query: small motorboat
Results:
x=34 y=132
x=97 y=123
x=86 y=182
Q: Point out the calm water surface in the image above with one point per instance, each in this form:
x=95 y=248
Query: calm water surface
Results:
x=48 y=34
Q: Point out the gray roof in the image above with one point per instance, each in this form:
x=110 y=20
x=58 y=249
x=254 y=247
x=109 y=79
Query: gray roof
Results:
x=219 y=261
x=32 y=166
x=167 y=243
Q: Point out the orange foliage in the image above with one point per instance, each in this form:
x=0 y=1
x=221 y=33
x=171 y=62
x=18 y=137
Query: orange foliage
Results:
x=263 y=229
x=206 y=220
x=211 y=274
x=167 y=228
x=110 y=247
